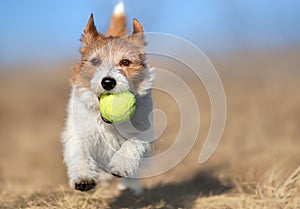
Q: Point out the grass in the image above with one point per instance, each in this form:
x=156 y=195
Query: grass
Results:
x=270 y=193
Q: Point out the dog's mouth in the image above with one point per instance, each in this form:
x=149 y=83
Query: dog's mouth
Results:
x=104 y=119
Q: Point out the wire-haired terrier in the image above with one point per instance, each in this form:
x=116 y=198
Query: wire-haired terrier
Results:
x=94 y=150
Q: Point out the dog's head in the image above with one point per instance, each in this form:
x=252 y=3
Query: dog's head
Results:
x=113 y=64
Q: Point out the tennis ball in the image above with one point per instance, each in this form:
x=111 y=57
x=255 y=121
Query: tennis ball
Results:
x=117 y=108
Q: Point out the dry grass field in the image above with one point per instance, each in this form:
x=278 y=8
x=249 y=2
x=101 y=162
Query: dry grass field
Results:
x=257 y=164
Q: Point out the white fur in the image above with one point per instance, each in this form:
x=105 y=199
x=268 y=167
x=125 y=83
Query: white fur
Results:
x=147 y=84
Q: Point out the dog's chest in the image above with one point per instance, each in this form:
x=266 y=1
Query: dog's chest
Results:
x=93 y=131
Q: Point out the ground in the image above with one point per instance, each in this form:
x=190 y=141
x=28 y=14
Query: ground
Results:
x=255 y=166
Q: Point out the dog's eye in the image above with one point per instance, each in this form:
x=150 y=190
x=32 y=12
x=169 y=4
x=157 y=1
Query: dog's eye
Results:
x=125 y=62
x=95 y=62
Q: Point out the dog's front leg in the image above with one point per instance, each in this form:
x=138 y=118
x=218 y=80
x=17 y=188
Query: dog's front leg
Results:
x=82 y=170
x=126 y=161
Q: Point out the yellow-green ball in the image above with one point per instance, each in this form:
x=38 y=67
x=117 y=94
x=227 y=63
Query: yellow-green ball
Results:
x=117 y=108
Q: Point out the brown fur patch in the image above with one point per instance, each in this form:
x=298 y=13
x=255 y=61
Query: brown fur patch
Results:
x=135 y=67
x=137 y=27
x=111 y=49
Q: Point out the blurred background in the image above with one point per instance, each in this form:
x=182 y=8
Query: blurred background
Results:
x=254 y=45
x=51 y=29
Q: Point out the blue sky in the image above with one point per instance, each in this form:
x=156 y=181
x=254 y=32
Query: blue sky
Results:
x=49 y=30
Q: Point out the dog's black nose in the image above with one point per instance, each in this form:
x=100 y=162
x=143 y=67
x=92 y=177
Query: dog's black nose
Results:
x=108 y=83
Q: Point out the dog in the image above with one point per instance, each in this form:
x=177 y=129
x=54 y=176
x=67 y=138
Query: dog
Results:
x=94 y=150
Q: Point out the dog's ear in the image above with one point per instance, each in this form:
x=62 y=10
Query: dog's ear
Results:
x=137 y=36
x=90 y=32
x=137 y=27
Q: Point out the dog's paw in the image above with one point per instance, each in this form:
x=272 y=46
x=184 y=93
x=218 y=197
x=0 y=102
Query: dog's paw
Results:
x=121 y=166
x=85 y=185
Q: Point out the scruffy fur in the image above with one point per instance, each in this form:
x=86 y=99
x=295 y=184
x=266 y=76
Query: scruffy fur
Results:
x=94 y=151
